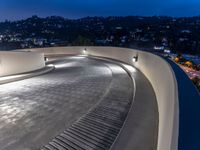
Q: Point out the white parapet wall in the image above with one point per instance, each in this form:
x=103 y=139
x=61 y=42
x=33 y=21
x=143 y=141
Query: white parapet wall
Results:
x=158 y=72
x=20 y=62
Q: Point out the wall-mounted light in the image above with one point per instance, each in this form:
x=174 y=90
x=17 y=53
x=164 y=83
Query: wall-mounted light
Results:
x=135 y=58
x=46 y=59
x=84 y=51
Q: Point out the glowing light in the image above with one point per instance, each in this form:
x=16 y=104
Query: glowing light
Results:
x=12 y=77
x=85 y=51
x=177 y=59
x=189 y=63
x=135 y=59
x=50 y=65
x=130 y=68
x=46 y=59
x=66 y=65
x=167 y=51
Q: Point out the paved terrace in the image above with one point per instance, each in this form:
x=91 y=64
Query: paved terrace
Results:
x=82 y=105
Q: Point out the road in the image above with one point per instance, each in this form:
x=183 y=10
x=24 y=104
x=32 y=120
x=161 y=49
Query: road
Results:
x=190 y=72
x=34 y=111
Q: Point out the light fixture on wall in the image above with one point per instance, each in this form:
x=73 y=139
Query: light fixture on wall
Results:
x=85 y=51
x=135 y=58
x=46 y=59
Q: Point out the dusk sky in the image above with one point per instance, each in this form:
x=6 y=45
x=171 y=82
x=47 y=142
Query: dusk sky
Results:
x=18 y=9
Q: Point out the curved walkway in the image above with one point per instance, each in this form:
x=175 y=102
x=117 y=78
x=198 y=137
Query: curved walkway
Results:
x=35 y=110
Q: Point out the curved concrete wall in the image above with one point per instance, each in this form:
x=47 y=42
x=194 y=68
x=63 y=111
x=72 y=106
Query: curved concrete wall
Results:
x=20 y=62
x=159 y=73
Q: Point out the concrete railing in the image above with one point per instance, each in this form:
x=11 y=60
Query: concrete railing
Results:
x=158 y=72
x=20 y=62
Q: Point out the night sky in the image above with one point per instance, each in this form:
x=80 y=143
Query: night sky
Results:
x=18 y=9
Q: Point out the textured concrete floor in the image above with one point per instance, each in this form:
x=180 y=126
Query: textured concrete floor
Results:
x=35 y=110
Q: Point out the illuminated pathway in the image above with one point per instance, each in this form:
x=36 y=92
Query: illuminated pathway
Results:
x=36 y=110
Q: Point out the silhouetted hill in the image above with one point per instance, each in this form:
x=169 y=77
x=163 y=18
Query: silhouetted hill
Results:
x=178 y=34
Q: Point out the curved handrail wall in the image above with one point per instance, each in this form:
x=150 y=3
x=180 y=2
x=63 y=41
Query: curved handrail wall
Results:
x=158 y=72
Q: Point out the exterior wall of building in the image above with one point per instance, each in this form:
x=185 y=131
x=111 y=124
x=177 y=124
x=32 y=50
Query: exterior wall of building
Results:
x=20 y=62
x=159 y=73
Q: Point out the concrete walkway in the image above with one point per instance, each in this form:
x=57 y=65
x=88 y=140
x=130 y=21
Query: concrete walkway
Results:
x=140 y=131
x=88 y=99
x=141 y=124
x=35 y=110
